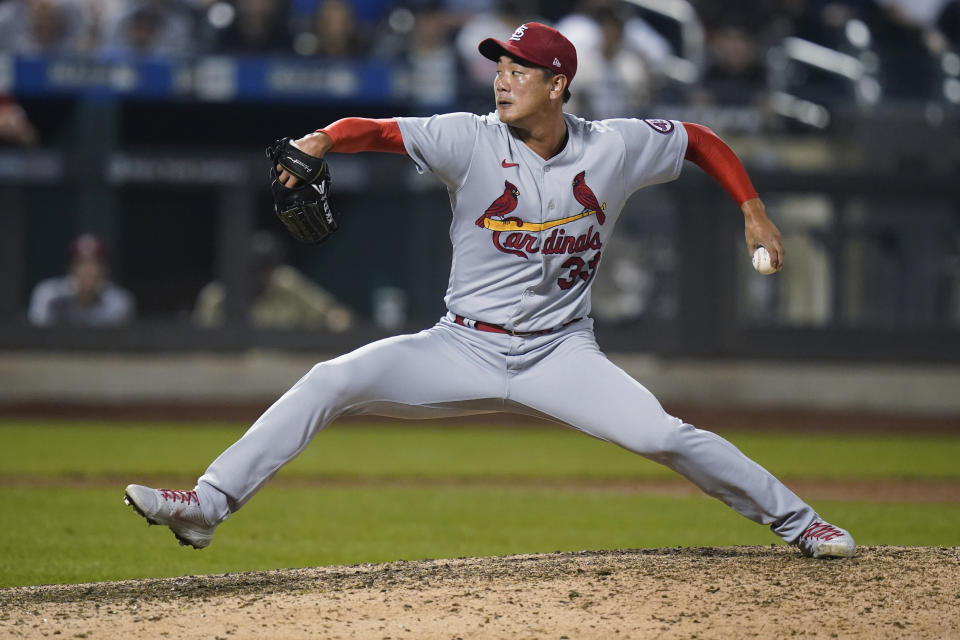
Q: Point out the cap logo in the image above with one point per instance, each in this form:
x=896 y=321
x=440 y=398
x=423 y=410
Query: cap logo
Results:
x=556 y=62
x=519 y=32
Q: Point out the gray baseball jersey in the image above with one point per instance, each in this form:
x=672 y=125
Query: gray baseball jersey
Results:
x=528 y=233
x=528 y=236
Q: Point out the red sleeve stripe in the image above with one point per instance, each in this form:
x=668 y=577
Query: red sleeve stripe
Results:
x=353 y=135
x=706 y=150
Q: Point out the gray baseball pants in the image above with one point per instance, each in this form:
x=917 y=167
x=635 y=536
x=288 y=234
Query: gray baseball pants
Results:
x=452 y=370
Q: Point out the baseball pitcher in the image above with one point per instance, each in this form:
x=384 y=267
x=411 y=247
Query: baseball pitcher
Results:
x=535 y=194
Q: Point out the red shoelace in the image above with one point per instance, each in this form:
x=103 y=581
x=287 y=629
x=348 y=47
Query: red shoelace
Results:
x=180 y=496
x=822 y=531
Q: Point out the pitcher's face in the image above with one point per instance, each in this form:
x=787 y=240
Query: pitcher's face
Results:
x=522 y=92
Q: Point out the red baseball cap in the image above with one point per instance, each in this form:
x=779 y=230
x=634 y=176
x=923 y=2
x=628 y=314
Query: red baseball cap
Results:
x=537 y=43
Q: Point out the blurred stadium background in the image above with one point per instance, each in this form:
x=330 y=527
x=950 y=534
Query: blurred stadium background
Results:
x=143 y=122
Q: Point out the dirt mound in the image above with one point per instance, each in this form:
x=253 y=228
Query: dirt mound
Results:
x=728 y=592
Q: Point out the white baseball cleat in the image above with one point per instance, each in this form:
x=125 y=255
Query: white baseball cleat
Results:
x=823 y=540
x=179 y=510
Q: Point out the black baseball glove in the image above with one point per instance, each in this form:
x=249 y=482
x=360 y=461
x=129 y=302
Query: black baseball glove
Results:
x=304 y=210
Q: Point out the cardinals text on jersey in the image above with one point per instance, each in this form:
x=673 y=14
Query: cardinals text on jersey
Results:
x=522 y=238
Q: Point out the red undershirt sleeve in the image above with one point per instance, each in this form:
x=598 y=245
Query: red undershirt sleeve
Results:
x=353 y=135
x=706 y=150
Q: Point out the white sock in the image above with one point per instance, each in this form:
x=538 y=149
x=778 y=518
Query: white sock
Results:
x=213 y=503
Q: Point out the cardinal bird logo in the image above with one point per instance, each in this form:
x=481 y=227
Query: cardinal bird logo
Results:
x=520 y=238
x=504 y=204
x=585 y=197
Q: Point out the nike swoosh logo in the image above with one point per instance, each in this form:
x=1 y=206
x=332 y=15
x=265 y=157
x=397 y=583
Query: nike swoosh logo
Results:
x=507 y=165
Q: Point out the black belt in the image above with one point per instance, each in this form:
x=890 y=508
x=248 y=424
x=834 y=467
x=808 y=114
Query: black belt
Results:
x=495 y=328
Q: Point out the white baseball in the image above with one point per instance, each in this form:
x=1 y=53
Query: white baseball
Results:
x=761 y=261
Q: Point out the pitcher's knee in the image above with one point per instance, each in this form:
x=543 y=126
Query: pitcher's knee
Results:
x=659 y=440
x=328 y=382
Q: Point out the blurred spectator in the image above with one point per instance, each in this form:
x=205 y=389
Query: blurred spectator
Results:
x=820 y=21
x=499 y=23
x=910 y=45
x=928 y=18
x=283 y=298
x=614 y=80
x=919 y=13
x=735 y=73
x=258 y=26
x=367 y=12
x=42 y=26
x=150 y=27
x=949 y=22
x=432 y=60
x=584 y=30
x=85 y=296
x=15 y=128
x=332 y=31
x=137 y=34
x=470 y=7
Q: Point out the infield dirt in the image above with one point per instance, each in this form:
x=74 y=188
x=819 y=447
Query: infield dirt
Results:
x=728 y=592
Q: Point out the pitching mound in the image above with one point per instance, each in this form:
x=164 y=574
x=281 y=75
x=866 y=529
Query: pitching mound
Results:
x=729 y=592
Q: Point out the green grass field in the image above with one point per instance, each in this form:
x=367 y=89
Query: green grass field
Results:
x=61 y=488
